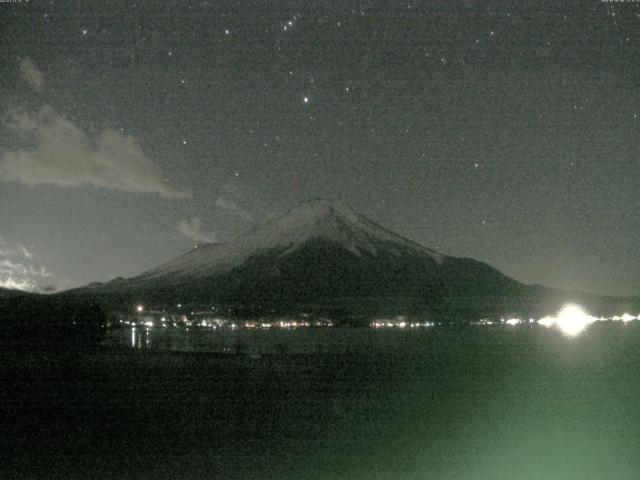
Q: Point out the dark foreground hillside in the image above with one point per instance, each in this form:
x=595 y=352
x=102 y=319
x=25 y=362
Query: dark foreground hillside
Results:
x=471 y=404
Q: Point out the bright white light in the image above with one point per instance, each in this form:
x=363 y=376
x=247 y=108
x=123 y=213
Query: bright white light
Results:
x=570 y=320
x=513 y=321
x=627 y=317
x=573 y=320
x=546 y=322
x=139 y=308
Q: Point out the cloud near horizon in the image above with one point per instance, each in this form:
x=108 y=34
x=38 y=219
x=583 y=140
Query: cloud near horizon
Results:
x=192 y=228
x=16 y=272
x=62 y=154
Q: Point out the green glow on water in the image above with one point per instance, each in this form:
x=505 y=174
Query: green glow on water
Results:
x=454 y=404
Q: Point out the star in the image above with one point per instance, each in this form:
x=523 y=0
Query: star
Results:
x=84 y=31
x=305 y=99
x=184 y=142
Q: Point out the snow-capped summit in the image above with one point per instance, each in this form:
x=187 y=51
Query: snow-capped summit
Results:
x=320 y=256
x=333 y=221
x=317 y=219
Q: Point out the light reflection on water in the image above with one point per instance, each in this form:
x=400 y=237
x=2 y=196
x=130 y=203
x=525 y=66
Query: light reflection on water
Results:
x=486 y=402
x=339 y=341
x=228 y=340
x=222 y=336
x=140 y=337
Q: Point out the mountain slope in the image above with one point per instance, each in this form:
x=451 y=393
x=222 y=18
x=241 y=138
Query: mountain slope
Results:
x=316 y=219
x=321 y=256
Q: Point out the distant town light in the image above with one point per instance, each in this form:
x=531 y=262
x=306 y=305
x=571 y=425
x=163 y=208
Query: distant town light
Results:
x=572 y=320
x=546 y=321
x=139 y=308
x=627 y=317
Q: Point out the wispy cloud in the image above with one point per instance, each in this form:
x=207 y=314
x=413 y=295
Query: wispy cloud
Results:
x=229 y=200
x=13 y=284
x=14 y=274
x=8 y=248
x=192 y=228
x=233 y=208
x=64 y=155
x=25 y=251
x=31 y=73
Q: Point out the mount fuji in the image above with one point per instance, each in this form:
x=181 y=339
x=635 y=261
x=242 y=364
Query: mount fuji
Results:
x=325 y=258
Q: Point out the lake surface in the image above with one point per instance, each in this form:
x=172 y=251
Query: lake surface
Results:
x=329 y=403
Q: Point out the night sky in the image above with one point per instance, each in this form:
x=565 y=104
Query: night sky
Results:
x=505 y=132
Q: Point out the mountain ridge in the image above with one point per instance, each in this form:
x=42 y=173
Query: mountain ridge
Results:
x=318 y=218
x=324 y=257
